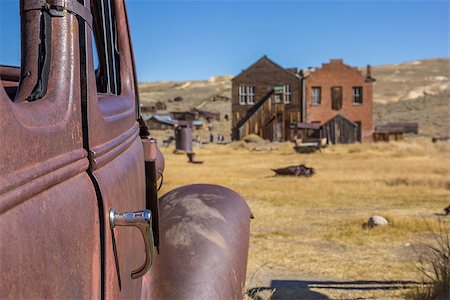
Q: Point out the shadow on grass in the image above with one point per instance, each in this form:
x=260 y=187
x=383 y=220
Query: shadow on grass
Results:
x=297 y=289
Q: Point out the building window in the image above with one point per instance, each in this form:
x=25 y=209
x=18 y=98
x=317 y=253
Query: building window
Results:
x=278 y=90
x=316 y=95
x=357 y=95
x=251 y=94
x=287 y=94
x=246 y=94
x=336 y=97
x=242 y=94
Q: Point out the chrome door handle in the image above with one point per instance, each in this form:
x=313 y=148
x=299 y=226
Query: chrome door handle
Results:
x=143 y=221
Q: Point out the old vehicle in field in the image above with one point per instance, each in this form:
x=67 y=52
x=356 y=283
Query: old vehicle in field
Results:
x=79 y=211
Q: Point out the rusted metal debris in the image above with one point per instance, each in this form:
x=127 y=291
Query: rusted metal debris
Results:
x=191 y=156
x=440 y=139
x=300 y=170
x=447 y=210
x=214 y=231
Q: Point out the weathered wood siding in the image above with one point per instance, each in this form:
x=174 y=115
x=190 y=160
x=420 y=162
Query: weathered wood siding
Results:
x=264 y=75
x=339 y=130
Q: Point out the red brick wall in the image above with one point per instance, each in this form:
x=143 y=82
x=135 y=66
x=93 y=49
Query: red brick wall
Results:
x=336 y=73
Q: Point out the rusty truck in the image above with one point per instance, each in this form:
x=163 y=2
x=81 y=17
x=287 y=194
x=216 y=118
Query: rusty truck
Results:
x=80 y=215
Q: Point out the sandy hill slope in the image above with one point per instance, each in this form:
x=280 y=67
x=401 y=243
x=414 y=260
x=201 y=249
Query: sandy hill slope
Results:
x=414 y=91
x=411 y=91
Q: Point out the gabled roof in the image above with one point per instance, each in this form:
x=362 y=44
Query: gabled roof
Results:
x=265 y=58
x=339 y=116
x=168 y=120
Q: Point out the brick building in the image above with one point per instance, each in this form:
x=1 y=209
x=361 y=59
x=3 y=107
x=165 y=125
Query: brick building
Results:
x=276 y=103
x=337 y=88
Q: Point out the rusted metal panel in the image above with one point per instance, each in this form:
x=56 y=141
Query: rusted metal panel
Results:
x=122 y=186
x=49 y=229
x=8 y=73
x=183 y=138
x=117 y=161
x=50 y=244
x=300 y=170
x=204 y=245
x=74 y=153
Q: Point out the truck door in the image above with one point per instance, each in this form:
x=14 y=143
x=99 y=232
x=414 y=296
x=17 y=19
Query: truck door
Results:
x=49 y=221
x=115 y=148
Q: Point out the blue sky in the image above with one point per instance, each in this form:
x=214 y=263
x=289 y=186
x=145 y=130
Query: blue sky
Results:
x=185 y=40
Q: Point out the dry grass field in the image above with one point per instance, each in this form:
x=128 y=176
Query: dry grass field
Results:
x=307 y=240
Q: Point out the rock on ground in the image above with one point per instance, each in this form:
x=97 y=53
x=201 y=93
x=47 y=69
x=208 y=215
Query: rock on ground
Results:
x=377 y=221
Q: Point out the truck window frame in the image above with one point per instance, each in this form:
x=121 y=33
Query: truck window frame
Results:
x=105 y=37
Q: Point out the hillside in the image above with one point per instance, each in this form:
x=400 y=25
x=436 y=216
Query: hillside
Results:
x=414 y=91
x=411 y=91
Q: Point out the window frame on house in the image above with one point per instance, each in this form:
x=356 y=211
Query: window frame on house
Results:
x=337 y=104
x=287 y=94
x=316 y=99
x=242 y=94
x=246 y=94
x=357 y=99
x=250 y=94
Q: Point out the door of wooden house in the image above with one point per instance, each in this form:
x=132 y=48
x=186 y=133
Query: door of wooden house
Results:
x=278 y=129
x=358 y=132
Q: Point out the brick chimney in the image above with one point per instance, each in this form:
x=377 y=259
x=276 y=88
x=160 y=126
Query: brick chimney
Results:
x=369 y=77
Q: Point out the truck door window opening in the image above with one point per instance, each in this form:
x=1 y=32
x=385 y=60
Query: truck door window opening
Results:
x=105 y=41
x=10 y=46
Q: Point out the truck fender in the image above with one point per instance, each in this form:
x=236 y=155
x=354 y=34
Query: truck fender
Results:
x=205 y=233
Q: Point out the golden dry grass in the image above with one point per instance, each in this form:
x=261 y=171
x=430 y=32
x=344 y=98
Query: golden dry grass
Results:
x=311 y=228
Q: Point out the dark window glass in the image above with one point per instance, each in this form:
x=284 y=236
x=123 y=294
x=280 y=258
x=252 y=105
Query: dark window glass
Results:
x=316 y=95
x=105 y=34
x=336 y=97
x=357 y=95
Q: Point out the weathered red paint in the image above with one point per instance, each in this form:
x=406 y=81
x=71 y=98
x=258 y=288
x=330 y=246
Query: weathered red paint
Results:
x=71 y=155
x=49 y=234
x=204 y=245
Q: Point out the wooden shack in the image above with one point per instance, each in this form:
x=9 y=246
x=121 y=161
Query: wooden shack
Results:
x=160 y=122
x=340 y=130
x=153 y=107
x=184 y=115
x=406 y=127
x=387 y=136
x=166 y=121
x=207 y=115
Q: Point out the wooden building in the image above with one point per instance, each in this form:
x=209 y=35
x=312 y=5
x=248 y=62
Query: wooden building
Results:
x=166 y=121
x=271 y=101
x=265 y=101
x=153 y=107
x=207 y=115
